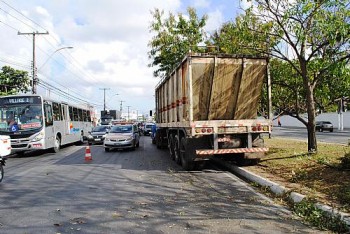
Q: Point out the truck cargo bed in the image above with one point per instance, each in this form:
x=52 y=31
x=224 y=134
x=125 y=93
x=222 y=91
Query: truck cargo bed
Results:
x=211 y=87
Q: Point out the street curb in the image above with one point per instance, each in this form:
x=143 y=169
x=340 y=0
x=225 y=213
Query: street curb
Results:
x=280 y=190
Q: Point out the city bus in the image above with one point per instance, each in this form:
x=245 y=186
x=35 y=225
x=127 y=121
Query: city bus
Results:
x=34 y=122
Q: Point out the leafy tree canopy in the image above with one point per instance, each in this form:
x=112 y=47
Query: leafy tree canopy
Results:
x=13 y=81
x=310 y=39
x=174 y=36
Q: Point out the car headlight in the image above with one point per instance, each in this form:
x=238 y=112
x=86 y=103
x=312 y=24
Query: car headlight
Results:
x=104 y=136
x=90 y=137
x=130 y=138
x=39 y=137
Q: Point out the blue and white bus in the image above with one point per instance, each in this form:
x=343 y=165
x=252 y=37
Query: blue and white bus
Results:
x=34 y=122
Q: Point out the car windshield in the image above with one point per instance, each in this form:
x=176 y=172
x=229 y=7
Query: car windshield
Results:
x=149 y=125
x=327 y=122
x=121 y=129
x=100 y=129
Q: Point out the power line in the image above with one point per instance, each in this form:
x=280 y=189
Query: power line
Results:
x=23 y=15
x=9 y=26
x=14 y=63
x=16 y=18
x=60 y=92
x=68 y=89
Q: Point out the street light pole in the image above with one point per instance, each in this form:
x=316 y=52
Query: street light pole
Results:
x=62 y=48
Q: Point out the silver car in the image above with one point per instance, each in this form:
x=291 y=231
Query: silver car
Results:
x=121 y=137
x=97 y=135
x=324 y=125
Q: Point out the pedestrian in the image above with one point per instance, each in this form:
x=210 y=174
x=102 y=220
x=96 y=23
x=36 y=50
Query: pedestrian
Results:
x=279 y=122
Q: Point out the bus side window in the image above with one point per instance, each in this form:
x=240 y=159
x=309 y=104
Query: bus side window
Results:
x=56 y=111
x=80 y=112
x=63 y=112
x=71 y=116
x=48 y=114
x=75 y=114
x=88 y=115
x=84 y=116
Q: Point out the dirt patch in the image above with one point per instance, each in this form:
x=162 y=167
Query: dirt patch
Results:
x=317 y=176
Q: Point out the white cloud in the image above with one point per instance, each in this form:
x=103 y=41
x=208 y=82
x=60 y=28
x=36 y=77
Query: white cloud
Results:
x=201 y=3
x=215 y=20
x=109 y=39
x=244 y=4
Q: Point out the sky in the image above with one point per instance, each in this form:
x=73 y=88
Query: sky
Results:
x=95 y=51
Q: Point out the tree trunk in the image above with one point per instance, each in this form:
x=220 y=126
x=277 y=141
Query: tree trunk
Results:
x=310 y=102
x=311 y=131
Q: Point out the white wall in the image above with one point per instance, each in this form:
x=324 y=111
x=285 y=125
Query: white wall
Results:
x=289 y=121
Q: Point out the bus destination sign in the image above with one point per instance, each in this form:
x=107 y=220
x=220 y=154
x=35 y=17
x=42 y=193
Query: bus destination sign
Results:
x=19 y=100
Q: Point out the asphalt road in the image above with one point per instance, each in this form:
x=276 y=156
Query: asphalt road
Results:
x=337 y=136
x=139 y=191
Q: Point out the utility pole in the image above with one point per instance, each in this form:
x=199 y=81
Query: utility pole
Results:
x=128 y=113
x=104 y=97
x=121 y=106
x=34 y=79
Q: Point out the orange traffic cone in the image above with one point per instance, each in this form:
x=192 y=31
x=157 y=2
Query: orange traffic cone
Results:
x=88 y=156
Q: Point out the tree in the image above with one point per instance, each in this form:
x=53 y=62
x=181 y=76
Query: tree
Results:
x=13 y=81
x=312 y=37
x=174 y=37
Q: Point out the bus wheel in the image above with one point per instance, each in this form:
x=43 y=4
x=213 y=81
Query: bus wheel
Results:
x=81 y=140
x=57 y=145
x=186 y=161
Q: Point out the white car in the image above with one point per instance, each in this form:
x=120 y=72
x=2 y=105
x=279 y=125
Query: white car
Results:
x=121 y=137
x=5 y=145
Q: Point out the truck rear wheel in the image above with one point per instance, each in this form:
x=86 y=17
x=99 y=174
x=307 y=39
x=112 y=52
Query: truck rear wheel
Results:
x=159 y=139
x=177 y=156
x=185 y=153
x=171 y=146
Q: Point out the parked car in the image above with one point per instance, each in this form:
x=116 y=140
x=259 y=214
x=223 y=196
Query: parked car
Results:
x=121 y=137
x=97 y=135
x=148 y=129
x=324 y=125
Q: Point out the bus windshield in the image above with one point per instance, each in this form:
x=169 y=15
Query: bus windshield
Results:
x=21 y=117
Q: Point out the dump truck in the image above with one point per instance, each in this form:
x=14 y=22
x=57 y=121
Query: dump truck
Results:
x=107 y=116
x=207 y=107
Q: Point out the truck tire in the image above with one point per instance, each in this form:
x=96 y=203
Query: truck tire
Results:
x=177 y=156
x=171 y=146
x=185 y=155
x=159 y=139
x=242 y=161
